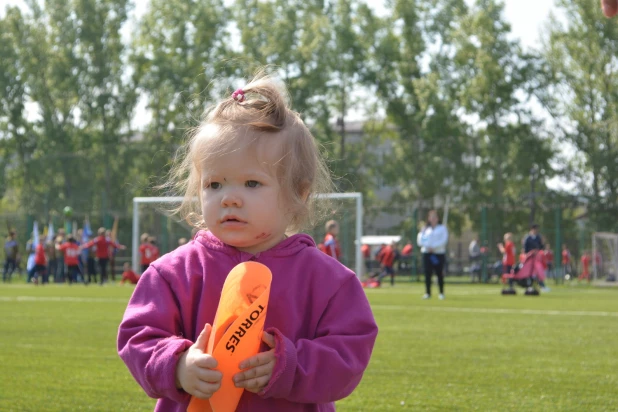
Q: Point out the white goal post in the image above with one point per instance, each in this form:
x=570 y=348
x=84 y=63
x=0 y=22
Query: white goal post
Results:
x=137 y=201
x=604 y=255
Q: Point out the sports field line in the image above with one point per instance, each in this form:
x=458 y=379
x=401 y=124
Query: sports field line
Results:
x=59 y=299
x=453 y=291
x=498 y=311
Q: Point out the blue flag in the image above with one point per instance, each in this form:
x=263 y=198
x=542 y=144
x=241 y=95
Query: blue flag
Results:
x=35 y=243
x=86 y=234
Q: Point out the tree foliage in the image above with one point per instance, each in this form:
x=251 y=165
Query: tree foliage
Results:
x=444 y=90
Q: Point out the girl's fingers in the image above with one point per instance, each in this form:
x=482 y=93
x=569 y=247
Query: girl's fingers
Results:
x=207 y=388
x=254 y=385
x=269 y=339
x=253 y=373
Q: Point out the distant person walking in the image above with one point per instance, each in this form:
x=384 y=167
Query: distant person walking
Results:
x=432 y=240
x=11 y=249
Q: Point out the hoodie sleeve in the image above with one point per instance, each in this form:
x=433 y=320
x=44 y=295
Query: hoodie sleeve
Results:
x=150 y=339
x=330 y=366
x=419 y=238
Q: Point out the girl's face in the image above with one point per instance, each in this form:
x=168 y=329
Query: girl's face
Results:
x=433 y=218
x=241 y=202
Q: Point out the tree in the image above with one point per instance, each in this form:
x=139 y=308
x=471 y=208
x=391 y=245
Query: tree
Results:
x=582 y=94
x=16 y=140
x=426 y=164
x=70 y=54
x=175 y=58
x=493 y=79
x=107 y=97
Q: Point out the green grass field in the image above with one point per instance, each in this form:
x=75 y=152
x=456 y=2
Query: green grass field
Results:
x=476 y=350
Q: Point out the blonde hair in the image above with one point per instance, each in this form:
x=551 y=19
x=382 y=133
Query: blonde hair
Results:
x=262 y=115
x=330 y=225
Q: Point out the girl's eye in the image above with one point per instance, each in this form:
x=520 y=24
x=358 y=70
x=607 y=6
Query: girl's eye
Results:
x=214 y=185
x=252 y=183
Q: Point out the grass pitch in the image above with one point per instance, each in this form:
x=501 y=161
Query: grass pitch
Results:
x=476 y=350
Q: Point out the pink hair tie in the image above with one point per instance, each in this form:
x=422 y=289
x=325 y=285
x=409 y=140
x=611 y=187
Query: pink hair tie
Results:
x=239 y=95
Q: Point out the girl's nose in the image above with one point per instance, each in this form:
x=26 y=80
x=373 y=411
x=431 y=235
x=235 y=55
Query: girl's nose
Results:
x=231 y=199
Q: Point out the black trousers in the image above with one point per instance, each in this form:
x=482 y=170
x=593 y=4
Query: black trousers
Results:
x=9 y=267
x=72 y=272
x=433 y=263
x=103 y=269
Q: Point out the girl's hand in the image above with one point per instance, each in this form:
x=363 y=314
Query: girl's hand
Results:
x=195 y=370
x=258 y=369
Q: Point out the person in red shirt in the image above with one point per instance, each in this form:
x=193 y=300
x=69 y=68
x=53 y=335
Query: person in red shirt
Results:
x=508 y=253
x=387 y=258
x=71 y=252
x=102 y=244
x=366 y=252
x=585 y=266
x=331 y=244
x=128 y=275
x=154 y=249
x=40 y=262
x=407 y=249
x=145 y=252
x=566 y=260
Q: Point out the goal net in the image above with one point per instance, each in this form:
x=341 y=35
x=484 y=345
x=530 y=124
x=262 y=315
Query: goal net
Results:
x=150 y=216
x=604 y=256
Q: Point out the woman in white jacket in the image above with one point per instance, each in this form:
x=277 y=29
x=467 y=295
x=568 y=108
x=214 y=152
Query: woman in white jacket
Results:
x=432 y=240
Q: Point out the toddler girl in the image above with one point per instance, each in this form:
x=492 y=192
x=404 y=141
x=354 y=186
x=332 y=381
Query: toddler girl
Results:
x=255 y=168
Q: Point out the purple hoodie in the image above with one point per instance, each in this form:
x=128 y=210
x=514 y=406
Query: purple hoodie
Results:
x=323 y=325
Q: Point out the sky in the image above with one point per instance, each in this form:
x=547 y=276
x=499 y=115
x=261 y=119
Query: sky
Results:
x=525 y=16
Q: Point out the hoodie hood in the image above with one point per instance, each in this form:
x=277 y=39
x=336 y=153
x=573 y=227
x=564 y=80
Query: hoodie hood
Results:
x=289 y=246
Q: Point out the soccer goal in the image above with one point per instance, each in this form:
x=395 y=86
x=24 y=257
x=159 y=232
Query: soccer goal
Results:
x=149 y=215
x=604 y=256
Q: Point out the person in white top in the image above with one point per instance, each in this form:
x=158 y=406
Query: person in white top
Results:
x=432 y=240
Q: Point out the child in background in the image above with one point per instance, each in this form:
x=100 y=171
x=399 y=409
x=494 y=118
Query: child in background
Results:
x=407 y=249
x=255 y=167
x=331 y=244
x=154 y=249
x=71 y=252
x=366 y=252
x=103 y=245
x=566 y=260
x=508 y=253
x=585 y=259
x=40 y=262
x=128 y=275
x=145 y=252
x=387 y=259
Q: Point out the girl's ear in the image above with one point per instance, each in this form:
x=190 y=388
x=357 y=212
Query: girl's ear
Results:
x=305 y=190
